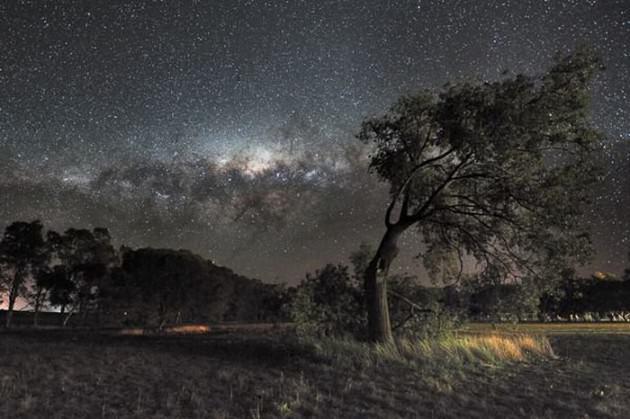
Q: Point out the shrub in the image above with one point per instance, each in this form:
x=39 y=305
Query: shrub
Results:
x=329 y=304
x=423 y=312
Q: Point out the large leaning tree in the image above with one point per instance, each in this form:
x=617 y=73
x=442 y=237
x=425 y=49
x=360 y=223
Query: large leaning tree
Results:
x=491 y=175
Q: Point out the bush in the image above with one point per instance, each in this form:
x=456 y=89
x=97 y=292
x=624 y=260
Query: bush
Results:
x=423 y=312
x=328 y=303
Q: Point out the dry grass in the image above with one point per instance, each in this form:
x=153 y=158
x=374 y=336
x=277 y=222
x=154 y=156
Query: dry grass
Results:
x=77 y=375
x=550 y=328
x=448 y=352
x=492 y=349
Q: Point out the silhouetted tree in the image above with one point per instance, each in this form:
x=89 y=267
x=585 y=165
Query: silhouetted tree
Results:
x=501 y=302
x=495 y=172
x=43 y=278
x=39 y=290
x=22 y=254
x=565 y=297
x=61 y=289
x=87 y=257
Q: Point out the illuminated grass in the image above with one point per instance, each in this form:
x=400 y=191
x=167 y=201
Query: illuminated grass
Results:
x=549 y=328
x=498 y=348
x=474 y=349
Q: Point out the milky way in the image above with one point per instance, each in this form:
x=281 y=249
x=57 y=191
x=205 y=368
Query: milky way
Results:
x=227 y=127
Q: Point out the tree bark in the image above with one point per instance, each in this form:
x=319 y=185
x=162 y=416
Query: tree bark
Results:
x=379 y=324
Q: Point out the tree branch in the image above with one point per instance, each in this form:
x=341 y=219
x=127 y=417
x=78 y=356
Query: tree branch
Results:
x=416 y=169
x=420 y=213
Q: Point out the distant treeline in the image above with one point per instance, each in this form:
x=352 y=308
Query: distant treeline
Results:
x=597 y=298
x=80 y=274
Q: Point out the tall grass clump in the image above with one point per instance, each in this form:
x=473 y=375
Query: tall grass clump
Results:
x=446 y=350
x=486 y=349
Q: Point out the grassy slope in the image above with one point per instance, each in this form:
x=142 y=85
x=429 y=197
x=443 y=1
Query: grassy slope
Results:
x=63 y=375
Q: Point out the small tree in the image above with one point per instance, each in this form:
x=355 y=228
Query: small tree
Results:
x=328 y=304
x=87 y=258
x=39 y=291
x=61 y=290
x=496 y=173
x=22 y=254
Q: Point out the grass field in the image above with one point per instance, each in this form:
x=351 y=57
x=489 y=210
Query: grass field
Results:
x=56 y=374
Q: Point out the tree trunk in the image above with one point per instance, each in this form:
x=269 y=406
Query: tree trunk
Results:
x=84 y=314
x=379 y=325
x=37 y=307
x=67 y=319
x=13 y=293
x=9 y=317
x=61 y=313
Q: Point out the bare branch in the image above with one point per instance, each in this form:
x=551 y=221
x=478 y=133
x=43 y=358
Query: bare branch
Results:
x=409 y=302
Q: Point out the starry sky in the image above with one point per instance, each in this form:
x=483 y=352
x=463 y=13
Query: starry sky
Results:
x=227 y=126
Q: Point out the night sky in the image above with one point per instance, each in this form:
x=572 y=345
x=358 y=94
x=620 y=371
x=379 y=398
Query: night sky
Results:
x=227 y=127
